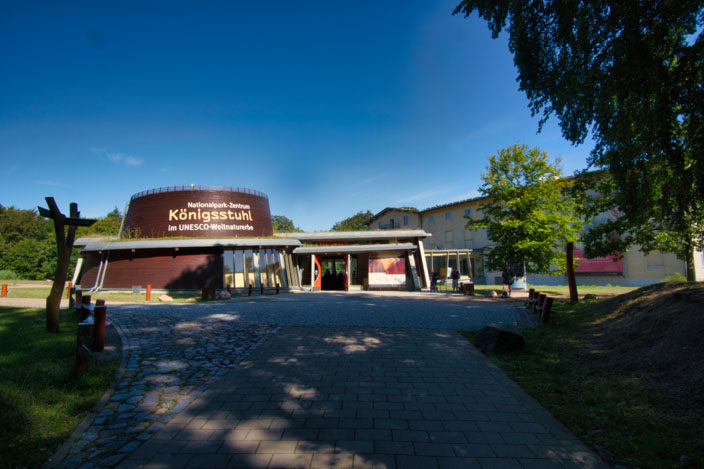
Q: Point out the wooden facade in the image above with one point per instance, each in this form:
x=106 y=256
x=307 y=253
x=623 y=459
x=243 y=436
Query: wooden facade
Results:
x=161 y=268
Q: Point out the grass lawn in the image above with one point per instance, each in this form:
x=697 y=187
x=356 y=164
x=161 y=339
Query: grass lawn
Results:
x=41 y=401
x=617 y=413
x=126 y=297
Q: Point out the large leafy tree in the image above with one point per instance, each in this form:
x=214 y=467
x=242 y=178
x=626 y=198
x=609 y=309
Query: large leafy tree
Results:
x=283 y=224
x=357 y=222
x=631 y=74
x=530 y=214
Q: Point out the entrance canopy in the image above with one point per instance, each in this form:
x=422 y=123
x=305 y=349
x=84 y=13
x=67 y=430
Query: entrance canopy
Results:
x=349 y=249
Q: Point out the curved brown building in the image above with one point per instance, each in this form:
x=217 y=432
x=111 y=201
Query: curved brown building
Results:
x=198 y=211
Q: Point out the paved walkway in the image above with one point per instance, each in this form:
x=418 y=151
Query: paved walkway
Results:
x=329 y=389
x=357 y=397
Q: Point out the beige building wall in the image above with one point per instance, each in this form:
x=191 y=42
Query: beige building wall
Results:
x=401 y=220
x=446 y=224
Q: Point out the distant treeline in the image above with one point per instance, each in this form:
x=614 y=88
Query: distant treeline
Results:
x=28 y=242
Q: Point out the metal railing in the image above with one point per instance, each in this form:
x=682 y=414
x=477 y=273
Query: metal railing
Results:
x=192 y=187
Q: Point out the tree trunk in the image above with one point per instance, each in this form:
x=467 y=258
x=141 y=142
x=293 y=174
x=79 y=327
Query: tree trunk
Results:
x=64 y=245
x=571 y=280
x=691 y=268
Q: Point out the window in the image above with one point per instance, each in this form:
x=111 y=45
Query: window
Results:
x=448 y=237
x=405 y=220
x=379 y=225
x=468 y=211
x=431 y=218
x=448 y=216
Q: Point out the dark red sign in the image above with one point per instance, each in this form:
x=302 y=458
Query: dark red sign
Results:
x=598 y=265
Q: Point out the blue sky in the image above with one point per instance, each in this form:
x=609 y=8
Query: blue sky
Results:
x=328 y=107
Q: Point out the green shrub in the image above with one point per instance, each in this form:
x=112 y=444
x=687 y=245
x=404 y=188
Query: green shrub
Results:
x=675 y=278
x=7 y=275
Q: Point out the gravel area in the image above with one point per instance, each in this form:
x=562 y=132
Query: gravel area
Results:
x=411 y=310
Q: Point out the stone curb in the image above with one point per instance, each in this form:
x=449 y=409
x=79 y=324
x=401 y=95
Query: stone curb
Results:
x=63 y=450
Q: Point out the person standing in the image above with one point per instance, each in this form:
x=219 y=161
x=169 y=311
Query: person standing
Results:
x=455 y=280
x=507 y=278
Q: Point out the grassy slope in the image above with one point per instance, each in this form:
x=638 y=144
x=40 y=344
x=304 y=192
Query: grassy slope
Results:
x=618 y=412
x=41 y=401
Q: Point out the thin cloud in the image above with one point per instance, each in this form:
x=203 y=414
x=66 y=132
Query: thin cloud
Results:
x=421 y=196
x=43 y=182
x=123 y=158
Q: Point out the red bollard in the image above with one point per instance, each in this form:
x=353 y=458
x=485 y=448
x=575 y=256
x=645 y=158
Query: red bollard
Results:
x=99 y=314
x=4 y=290
x=85 y=307
x=149 y=293
x=68 y=291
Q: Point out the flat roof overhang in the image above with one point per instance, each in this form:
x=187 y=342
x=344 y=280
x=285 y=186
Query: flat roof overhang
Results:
x=192 y=243
x=346 y=249
x=355 y=235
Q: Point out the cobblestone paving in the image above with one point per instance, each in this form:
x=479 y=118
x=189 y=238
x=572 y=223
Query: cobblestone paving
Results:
x=171 y=359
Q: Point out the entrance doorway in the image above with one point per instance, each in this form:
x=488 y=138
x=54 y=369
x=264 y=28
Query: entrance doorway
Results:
x=334 y=270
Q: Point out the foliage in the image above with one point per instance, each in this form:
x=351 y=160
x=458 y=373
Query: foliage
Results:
x=357 y=222
x=412 y=209
x=28 y=244
x=530 y=214
x=41 y=400
x=7 y=275
x=283 y=224
x=630 y=74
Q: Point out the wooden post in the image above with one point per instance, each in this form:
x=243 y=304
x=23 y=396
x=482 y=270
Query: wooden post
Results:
x=571 y=279
x=545 y=312
x=4 y=290
x=99 y=314
x=261 y=288
x=277 y=288
x=79 y=299
x=149 y=293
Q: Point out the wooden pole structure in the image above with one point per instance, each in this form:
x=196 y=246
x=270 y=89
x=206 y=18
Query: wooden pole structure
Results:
x=64 y=246
x=571 y=280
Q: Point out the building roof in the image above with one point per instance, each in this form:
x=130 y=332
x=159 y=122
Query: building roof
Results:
x=348 y=249
x=430 y=209
x=450 y=204
x=355 y=235
x=397 y=209
x=190 y=243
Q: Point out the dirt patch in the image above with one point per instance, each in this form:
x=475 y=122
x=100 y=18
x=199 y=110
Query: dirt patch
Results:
x=656 y=335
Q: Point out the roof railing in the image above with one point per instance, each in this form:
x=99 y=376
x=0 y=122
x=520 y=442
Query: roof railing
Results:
x=241 y=190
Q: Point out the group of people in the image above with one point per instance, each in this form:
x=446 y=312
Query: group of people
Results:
x=455 y=276
x=508 y=276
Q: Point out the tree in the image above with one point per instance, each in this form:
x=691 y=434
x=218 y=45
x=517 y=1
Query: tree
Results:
x=357 y=222
x=283 y=224
x=530 y=214
x=630 y=73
